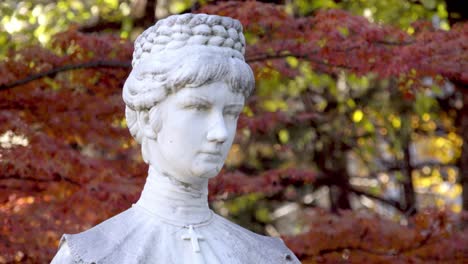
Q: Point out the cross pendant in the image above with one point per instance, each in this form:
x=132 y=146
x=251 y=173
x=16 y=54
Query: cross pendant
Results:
x=194 y=237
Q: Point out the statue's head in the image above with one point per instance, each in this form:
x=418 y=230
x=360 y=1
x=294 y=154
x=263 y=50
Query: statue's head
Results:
x=187 y=88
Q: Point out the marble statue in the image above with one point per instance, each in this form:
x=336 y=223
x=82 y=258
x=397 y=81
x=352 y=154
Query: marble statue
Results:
x=183 y=96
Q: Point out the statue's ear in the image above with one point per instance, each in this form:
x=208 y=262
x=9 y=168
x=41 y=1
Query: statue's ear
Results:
x=144 y=123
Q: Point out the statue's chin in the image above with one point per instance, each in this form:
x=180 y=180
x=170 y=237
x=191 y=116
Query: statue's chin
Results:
x=207 y=171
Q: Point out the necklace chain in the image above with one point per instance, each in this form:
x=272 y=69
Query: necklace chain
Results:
x=171 y=222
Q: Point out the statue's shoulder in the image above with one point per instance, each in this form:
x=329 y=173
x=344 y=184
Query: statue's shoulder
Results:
x=100 y=243
x=64 y=255
x=134 y=237
x=251 y=247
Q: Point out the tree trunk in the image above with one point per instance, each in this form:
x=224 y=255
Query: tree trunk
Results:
x=339 y=192
x=408 y=187
x=407 y=170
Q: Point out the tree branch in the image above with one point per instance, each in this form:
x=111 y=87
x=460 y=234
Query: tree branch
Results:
x=357 y=248
x=393 y=203
x=418 y=166
x=54 y=71
x=61 y=178
x=394 y=43
x=127 y=64
x=282 y=55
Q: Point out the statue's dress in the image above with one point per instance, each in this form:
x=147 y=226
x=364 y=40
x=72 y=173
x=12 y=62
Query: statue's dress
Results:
x=142 y=235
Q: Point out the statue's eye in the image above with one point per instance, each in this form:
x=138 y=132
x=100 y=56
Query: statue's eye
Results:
x=202 y=107
x=197 y=106
x=232 y=113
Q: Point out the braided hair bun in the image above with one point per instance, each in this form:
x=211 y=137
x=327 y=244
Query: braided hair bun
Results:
x=178 y=31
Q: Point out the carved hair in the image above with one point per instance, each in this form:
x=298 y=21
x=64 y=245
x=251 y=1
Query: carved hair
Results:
x=180 y=51
x=178 y=31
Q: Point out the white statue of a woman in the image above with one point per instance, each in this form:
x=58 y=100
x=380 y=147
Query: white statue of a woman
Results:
x=183 y=97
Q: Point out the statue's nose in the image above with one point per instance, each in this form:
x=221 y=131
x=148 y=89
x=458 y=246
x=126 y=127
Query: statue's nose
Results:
x=218 y=132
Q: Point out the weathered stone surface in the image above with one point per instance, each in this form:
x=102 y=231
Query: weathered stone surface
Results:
x=183 y=97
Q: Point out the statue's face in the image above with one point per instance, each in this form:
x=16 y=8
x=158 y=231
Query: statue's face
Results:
x=198 y=127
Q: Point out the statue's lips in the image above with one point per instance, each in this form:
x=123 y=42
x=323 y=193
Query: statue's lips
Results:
x=211 y=153
x=211 y=156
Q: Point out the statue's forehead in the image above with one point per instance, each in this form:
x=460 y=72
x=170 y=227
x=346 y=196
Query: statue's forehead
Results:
x=220 y=91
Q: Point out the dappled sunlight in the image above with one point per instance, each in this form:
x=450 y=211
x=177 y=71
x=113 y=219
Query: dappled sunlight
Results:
x=14 y=25
x=443 y=149
x=17 y=203
x=367 y=13
x=30 y=21
x=9 y=139
x=438 y=187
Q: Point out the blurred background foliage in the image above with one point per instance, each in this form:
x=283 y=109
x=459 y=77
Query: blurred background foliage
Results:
x=36 y=21
x=375 y=144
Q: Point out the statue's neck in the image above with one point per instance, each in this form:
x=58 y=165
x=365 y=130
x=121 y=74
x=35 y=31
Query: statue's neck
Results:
x=176 y=202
